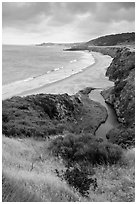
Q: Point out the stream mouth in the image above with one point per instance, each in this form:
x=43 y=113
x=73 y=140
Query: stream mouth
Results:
x=111 y=121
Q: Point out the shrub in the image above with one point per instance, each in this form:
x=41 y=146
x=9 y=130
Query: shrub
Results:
x=79 y=180
x=76 y=148
x=121 y=136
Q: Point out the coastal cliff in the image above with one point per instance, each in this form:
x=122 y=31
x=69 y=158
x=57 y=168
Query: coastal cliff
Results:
x=122 y=96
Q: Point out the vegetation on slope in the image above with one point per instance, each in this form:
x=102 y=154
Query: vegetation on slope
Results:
x=12 y=191
x=85 y=148
x=46 y=114
x=72 y=167
x=29 y=173
x=111 y=40
x=122 y=97
x=115 y=40
x=21 y=182
x=105 y=50
x=80 y=153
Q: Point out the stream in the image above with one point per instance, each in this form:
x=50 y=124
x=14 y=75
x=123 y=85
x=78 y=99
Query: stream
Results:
x=111 y=120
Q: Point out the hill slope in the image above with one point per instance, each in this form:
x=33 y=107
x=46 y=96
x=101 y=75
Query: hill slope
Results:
x=122 y=96
x=46 y=114
x=111 y=40
x=29 y=166
x=23 y=182
x=118 y=40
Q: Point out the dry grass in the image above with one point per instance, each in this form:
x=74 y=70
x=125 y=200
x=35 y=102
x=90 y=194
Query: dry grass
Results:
x=28 y=172
x=115 y=184
x=13 y=191
x=39 y=178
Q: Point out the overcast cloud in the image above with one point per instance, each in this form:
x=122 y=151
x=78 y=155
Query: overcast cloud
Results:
x=26 y=23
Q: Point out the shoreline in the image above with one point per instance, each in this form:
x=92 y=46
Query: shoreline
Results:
x=35 y=83
x=85 y=58
x=91 y=76
x=79 y=81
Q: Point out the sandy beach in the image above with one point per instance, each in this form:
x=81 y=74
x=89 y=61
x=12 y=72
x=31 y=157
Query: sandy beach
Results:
x=93 y=76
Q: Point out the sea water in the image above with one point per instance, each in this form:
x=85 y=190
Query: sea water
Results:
x=29 y=67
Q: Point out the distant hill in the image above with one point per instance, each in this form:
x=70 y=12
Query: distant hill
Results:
x=59 y=44
x=46 y=44
x=118 y=40
x=111 y=40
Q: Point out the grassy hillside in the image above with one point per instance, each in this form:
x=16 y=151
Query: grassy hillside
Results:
x=29 y=171
x=29 y=175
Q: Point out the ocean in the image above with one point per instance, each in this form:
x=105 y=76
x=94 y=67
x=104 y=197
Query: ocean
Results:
x=29 y=67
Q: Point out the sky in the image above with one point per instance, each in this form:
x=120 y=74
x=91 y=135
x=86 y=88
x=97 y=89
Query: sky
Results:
x=37 y=22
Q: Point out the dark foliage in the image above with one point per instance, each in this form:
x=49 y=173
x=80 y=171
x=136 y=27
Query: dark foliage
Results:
x=125 y=137
x=121 y=65
x=122 y=97
x=37 y=116
x=80 y=177
x=79 y=153
x=46 y=114
x=77 y=148
x=80 y=180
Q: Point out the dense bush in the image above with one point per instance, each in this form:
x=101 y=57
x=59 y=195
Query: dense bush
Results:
x=80 y=177
x=80 y=180
x=31 y=128
x=125 y=137
x=76 y=148
x=46 y=114
x=38 y=116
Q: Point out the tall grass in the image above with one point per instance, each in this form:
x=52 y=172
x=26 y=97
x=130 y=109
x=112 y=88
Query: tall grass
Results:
x=21 y=182
x=115 y=183
x=13 y=191
x=18 y=156
x=45 y=187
